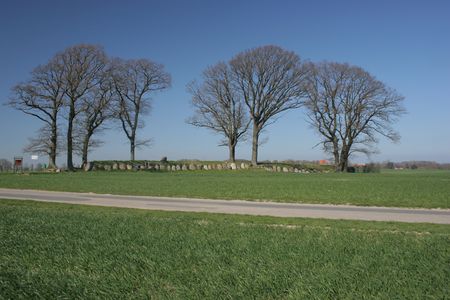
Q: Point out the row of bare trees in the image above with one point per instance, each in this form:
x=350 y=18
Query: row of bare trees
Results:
x=346 y=105
x=85 y=88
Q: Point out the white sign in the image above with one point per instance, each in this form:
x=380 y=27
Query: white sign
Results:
x=34 y=157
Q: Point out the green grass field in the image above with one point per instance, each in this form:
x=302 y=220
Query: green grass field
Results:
x=65 y=251
x=429 y=189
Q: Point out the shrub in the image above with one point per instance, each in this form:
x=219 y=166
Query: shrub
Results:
x=371 y=168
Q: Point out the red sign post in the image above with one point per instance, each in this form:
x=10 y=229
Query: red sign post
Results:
x=18 y=164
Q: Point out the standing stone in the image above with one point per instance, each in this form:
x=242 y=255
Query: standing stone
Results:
x=184 y=167
x=219 y=166
x=278 y=169
x=157 y=167
x=107 y=167
x=285 y=170
x=233 y=166
x=122 y=166
x=178 y=168
x=129 y=166
x=174 y=168
x=88 y=166
x=115 y=166
x=192 y=167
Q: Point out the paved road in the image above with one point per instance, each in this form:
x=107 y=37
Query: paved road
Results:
x=441 y=216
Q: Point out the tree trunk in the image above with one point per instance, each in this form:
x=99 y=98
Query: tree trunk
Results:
x=344 y=160
x=69 y=138
x=341 y=167
x=53 y=145
x=132 y=147
x=232 y=149
x=84 y=153
x=255 y=144
x=337 y=161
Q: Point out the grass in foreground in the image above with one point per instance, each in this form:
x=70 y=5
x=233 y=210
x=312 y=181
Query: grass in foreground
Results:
x=66 y=251
x=429 y=189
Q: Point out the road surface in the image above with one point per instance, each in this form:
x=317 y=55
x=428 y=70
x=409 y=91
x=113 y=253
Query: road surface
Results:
x=348 y=212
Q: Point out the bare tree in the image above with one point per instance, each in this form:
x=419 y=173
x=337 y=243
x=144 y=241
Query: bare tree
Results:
x=134 y=81
x=83 y=69
x=5 y=165
x=218 y=107
x=349 y=108
x=270 y=80
x=42 y=143
x=95 y=109
x=42 y=97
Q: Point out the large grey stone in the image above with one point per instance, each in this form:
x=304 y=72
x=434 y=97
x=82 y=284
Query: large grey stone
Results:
x=88 y=166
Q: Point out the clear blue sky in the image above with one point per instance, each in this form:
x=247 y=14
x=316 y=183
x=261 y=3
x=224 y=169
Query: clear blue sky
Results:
x=406 y=44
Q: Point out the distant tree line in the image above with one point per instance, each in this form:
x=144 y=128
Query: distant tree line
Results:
x=414 y=164
x=85 y=90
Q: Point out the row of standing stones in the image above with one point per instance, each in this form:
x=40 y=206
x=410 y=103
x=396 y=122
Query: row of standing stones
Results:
x=165 y=166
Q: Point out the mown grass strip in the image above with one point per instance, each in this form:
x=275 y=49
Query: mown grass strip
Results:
x=428 y=189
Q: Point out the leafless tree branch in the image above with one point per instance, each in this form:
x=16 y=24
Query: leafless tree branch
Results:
x=349 y=108
x=134 y=81
x=270 y=80
x=218 y=106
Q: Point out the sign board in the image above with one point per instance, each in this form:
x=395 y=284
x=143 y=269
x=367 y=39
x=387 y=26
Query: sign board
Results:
x=34 y=157
x=18 y=160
